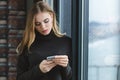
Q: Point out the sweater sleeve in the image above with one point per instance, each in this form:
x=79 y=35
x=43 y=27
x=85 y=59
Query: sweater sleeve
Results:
x=66 y=72
x=23 y=71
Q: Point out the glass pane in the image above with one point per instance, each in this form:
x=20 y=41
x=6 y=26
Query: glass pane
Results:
x=104 y=40
x=64 y=16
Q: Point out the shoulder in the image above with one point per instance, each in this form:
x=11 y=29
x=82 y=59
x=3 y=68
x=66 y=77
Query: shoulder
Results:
x=67 y=38
x=24 y=53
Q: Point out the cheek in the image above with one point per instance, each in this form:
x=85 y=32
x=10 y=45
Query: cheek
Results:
x=37 y=28
x=50 y=23
x=50 y=26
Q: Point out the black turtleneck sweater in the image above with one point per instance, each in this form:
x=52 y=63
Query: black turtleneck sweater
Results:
x=43 y=46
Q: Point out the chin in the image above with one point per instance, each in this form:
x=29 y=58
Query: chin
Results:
x=45 y=34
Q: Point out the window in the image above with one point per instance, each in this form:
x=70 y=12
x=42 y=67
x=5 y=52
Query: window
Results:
x=104 y=30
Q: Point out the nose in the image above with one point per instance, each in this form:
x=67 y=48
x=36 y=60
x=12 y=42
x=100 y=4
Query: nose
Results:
x=42 y=25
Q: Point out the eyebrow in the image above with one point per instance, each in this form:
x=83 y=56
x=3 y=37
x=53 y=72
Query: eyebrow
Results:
x=45 y=19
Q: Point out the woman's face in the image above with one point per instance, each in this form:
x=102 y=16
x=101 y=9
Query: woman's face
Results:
x=44 y=22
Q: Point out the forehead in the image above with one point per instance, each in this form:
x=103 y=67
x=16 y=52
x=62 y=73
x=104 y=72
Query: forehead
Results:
x=42 y=15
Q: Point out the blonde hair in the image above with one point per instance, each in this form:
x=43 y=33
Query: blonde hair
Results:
x=29 y=33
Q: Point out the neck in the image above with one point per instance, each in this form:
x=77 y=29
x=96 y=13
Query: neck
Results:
x=50 y=36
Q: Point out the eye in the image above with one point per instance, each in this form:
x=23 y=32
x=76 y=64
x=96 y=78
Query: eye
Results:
x=37 y=23
x=46 y=20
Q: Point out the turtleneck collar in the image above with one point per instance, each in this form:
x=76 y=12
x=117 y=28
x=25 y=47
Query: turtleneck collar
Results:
x=50 y=36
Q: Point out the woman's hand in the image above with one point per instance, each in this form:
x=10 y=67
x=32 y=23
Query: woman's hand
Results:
x=46 y=65
x=61 y=60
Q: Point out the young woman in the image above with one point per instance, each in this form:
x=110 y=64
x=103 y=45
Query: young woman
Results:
x=44 y=51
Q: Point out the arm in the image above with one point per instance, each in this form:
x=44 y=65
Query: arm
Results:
x=65 y=69
x=66 y=72
x=23 y=71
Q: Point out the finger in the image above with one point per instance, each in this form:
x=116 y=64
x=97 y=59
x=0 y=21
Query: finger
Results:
x=49 y=67
x=61 y=60
x=52 y=65
x=63 y=64
x=48 y=62
x=61 y=56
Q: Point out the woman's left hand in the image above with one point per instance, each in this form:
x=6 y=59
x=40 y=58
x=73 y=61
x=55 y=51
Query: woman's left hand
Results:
x=61 y=60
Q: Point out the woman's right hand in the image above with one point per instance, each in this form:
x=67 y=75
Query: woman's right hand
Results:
x=46 y=65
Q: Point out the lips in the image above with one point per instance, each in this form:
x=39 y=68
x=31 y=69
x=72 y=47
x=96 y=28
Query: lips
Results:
x=44 y=31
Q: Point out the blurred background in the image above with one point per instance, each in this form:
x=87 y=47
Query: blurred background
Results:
x=104 y=40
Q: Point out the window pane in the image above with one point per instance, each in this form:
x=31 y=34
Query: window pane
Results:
x=64 y=16
x=104 y=40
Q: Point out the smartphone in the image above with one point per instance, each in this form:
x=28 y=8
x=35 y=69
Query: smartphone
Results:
x=50 y=57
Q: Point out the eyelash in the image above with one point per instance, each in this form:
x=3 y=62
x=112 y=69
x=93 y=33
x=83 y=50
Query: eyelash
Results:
x=38 y=23
x=46 y=21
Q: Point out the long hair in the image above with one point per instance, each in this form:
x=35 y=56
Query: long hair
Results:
x=29 y=33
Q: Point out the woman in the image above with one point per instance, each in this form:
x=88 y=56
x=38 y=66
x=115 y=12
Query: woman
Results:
x=44 y=51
